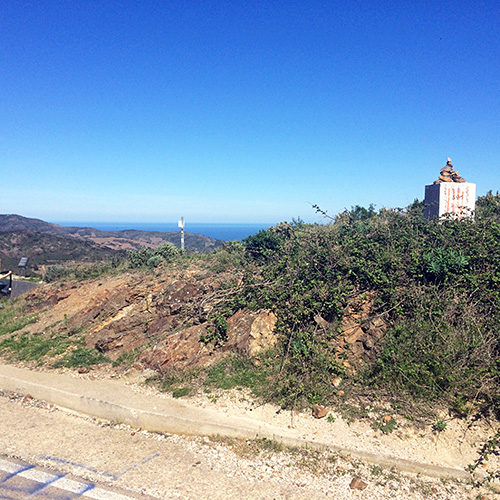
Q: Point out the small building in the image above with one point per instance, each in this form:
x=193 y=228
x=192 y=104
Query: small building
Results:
x=23 y=265
x=450 y=195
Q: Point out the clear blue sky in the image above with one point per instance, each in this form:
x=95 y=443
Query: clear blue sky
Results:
x=242 y=111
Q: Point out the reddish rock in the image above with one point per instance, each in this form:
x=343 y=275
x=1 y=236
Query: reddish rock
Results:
x=357 y=484
x=181 y=350
x=319 y=411
x=251 y=332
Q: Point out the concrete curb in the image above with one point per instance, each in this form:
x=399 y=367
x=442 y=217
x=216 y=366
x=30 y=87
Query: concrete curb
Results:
x=119 y=403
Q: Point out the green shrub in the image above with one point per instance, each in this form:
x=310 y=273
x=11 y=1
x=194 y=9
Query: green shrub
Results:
x=147 y=257
x=139 y=258
x=217 y=333
x=167 y=251
x=180 y=392
x=437 y=283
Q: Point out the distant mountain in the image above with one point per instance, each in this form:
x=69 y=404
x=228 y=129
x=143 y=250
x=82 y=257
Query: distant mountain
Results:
x=18 y=223
x=115 y=240
x=45 y=248
x=46 y=243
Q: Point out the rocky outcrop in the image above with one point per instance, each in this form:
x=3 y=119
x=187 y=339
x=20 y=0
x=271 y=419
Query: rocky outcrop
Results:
x=248 y=332
x=181 y=350
x=166 y=319
x=361 y=332
x=251 y=332
x=171 y=322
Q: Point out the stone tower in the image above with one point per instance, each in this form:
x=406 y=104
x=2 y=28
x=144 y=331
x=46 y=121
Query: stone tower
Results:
x=449 y=194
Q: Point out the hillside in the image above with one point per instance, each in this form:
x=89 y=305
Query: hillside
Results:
x=45 y=248
x=387 y=311
x=115 y=240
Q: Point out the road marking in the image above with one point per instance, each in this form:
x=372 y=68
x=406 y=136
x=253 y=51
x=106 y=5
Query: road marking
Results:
x=102 y=473
x=45 y=479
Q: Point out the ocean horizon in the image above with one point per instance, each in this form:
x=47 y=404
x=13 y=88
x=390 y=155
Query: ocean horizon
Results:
x=225 y=231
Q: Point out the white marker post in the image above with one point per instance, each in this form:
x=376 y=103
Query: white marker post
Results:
x=181 y=225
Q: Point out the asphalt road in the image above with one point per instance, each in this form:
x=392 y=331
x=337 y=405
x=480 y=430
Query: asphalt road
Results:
x=20 y=480
x=21 y=287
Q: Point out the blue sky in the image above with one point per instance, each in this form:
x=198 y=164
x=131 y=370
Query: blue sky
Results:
x=242 y=111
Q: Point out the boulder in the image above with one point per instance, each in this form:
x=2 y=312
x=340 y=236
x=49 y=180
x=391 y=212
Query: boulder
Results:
x=251 y=332
x=180 y=350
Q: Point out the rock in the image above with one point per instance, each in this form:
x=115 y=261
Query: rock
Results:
x=387 y=419
x=340 y=393
x=357 y=484
x=320 y=321
x=353 y=334
x=448 y=174
x=180 y=350
x=251 y=332
x=319 y=411
x=262 y=332
x=336 y=381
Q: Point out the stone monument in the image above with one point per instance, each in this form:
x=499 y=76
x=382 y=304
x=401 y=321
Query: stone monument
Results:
x=450 y=195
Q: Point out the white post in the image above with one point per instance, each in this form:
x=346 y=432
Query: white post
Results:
x=181 y=225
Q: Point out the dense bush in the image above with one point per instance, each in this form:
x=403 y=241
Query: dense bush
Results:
x=438 y=283
x=148 y=257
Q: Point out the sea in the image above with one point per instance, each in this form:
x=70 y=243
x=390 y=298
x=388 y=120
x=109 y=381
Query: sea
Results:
x=220 y=230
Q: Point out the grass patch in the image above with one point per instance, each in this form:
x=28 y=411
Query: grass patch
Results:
x=28 y=347
x=13 y=318
x=175 y=379
x=81 y=357
x=386 y=427
x=180 y=392
x=236 y=372
x=125 y=358
x=230 y=373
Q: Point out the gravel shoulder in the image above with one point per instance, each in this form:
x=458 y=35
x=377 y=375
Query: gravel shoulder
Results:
x=173 y=466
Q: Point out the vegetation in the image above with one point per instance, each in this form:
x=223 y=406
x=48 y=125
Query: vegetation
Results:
x=147 y=257
x=81 y=357
x=135 y=259
x=14 y=318
x=436 y=285
x=80 y=272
